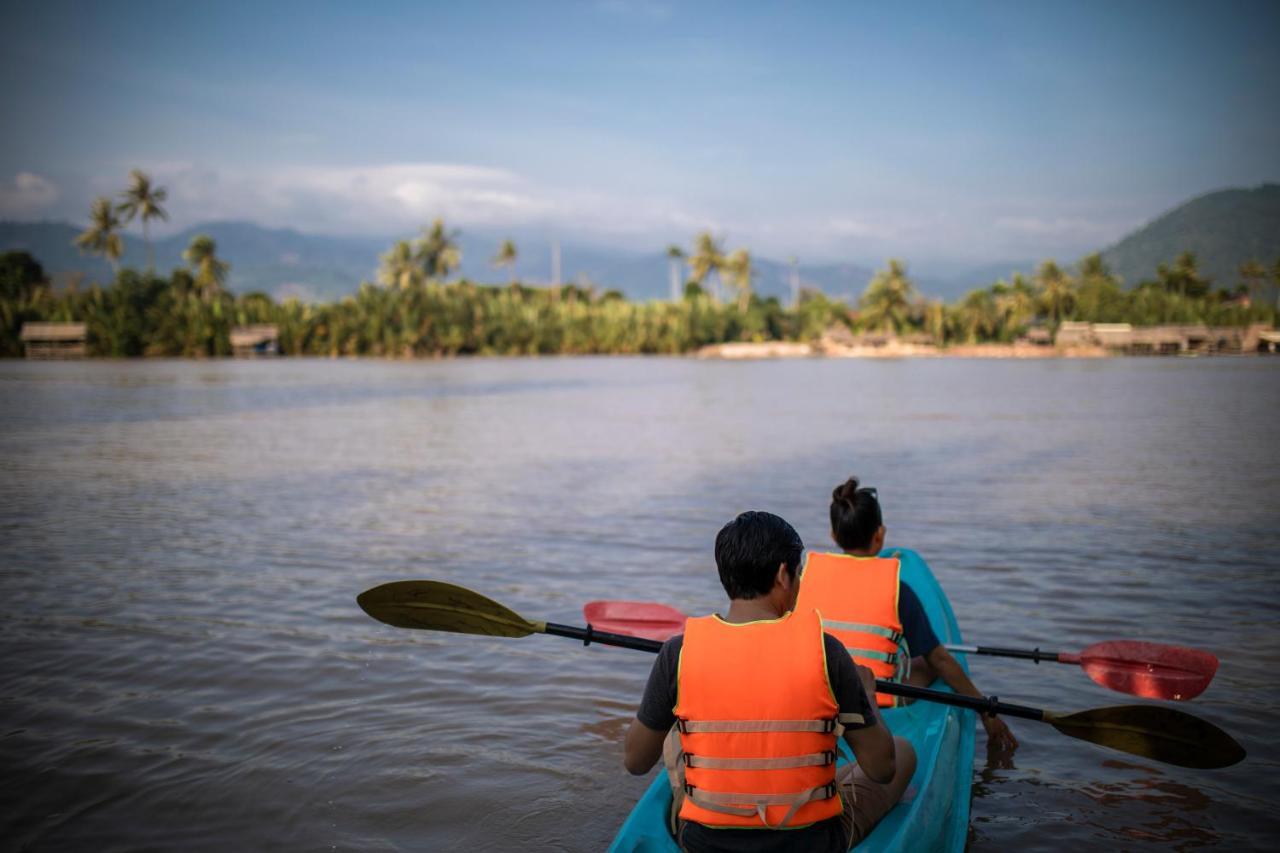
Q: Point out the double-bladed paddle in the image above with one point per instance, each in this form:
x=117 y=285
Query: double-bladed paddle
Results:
x=1149 y=731
x=1150 y=670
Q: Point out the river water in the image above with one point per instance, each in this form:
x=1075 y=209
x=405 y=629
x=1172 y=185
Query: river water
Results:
x=184 y=664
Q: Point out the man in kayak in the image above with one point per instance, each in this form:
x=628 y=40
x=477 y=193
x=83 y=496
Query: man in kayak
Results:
x=759 y=698
x=865 y=606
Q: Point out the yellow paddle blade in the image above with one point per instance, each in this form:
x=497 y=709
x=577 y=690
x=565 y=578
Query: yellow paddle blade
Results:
x=439 y=606
x=1152 y=731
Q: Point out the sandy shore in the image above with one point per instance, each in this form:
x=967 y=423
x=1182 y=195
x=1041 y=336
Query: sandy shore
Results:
x=779 y=349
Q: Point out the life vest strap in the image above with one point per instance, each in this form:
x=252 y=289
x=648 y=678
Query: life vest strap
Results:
x=722 y=726
x=730 y=803
x=887 y=657
x=864 y=628
x=813 y=759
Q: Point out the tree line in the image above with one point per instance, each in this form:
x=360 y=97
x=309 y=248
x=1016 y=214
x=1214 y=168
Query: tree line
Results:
x=415 y=310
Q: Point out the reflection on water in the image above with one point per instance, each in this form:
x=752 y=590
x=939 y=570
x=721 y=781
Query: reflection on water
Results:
x=182 y=544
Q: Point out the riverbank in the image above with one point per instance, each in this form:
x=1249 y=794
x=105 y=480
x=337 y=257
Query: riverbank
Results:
x=776 y=349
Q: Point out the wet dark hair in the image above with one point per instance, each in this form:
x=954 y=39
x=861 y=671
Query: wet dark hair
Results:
x=855 y=515
x=749 y=550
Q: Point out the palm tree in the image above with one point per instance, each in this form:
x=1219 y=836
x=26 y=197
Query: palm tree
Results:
x=1015 y=304
x=102 y=237
x=142 y=199
x=737 y=268
x=506 y=257
x=400 y=266
x=676 y=255
x=978 y=315
x=707 y=260
x=1183 y=278
x=886 y=303
x=210 y=272
x=1057 y=291
x=438 y=250
x=1254 y=275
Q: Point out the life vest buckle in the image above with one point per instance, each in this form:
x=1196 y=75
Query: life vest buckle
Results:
x=830 y=755
x=682 y=726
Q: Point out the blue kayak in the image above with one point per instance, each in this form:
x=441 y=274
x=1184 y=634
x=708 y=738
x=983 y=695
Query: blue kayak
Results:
x=935 y=811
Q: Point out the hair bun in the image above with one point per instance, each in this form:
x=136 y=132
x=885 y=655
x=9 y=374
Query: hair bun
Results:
x=845 y=491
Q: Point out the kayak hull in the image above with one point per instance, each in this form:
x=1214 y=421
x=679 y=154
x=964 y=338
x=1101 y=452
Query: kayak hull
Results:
x=934 y=814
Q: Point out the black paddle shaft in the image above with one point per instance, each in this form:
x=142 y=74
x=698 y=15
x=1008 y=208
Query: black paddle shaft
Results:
x=986 y=705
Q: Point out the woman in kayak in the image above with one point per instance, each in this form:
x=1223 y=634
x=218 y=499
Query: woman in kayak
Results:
x=870 y=611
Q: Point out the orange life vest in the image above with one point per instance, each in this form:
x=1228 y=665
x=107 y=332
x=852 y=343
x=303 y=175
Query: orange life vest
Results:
x=858 y=599
x=758 y=722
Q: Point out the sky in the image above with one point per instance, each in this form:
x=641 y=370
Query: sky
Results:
x=942 y=133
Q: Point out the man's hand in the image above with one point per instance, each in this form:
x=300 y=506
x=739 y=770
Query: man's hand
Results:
x=999 y=735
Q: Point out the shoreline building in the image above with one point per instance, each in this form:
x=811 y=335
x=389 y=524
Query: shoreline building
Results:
x=1173 y=339
x=262 y=339
x=55 y=340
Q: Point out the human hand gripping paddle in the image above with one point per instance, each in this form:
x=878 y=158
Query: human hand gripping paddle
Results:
x=1150 y=670
x=1149 y=731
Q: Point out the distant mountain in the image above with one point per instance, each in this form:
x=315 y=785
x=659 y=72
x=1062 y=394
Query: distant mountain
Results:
x=284 y=262
x=1224 y=229
x=278 y=261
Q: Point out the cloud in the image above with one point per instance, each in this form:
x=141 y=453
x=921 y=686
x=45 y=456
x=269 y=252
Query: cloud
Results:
x=27 y=194
x=383 y=200
x=386 y=199
x=848 y=227
x=1057 y=227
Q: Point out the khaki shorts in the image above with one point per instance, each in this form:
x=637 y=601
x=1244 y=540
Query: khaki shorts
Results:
x=865 y=802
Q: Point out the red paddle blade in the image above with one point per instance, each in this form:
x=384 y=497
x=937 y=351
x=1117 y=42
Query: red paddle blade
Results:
x=635 y=618
x=1153 y=670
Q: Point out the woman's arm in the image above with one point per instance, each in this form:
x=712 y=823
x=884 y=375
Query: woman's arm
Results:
x=949 y=670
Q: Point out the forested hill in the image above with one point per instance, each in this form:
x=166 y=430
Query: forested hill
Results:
x=1224 y=229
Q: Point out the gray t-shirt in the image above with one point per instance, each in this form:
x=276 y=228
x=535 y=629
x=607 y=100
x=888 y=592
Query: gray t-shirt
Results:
x=656 y=712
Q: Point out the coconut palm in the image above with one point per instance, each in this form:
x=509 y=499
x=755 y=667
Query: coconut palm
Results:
x=707 y=260
x=506 y=257
x=738 y=271
x=886 y=303
x=1015 y=305
x=438 y=250
x=210 y=271
x=102 y=237
x=1183 y=278
x=1056 y=292
x=400 y=267
x=1254 y=276
x=676 y=255
x=142 y=199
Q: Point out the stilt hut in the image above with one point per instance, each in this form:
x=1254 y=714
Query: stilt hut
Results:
x=55 y=340
x=254 y=341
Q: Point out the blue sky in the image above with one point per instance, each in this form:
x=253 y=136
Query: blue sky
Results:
x=948 y=133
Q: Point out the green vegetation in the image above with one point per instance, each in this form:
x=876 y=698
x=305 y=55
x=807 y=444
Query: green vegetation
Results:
x=142 y=200
x=1223 y=229
x=415 y=312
